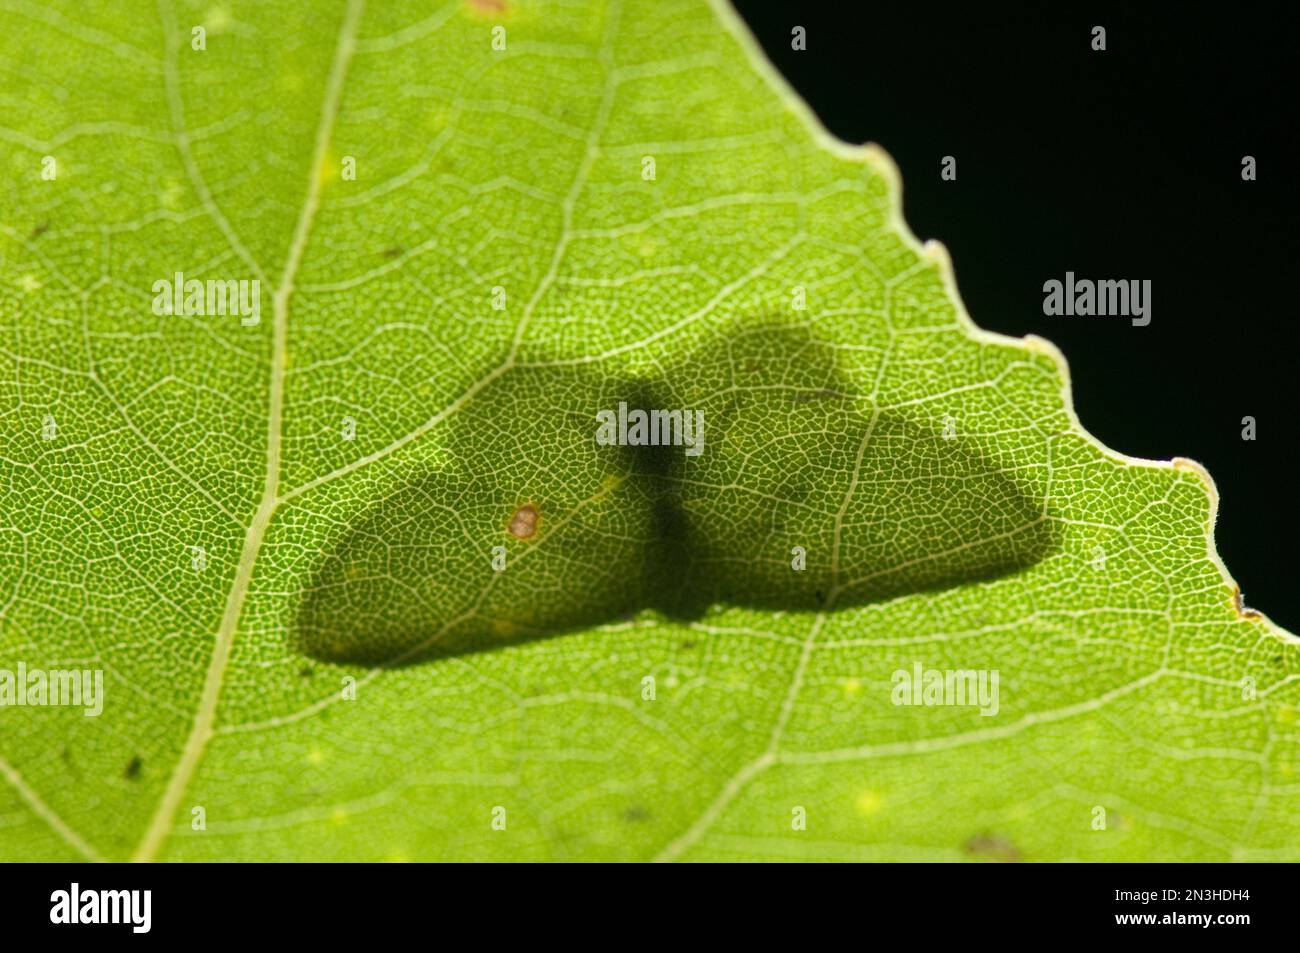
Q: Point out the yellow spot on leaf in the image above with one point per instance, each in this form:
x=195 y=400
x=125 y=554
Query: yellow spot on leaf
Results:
x=217 y=20
x=172 y=193
x=869 y=802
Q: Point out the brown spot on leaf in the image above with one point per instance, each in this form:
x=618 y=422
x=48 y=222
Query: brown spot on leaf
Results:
x=392 y=251
x=1243 y=611
x=524 y=523
x=487 y=6
x=39 y=230
x=993 y=847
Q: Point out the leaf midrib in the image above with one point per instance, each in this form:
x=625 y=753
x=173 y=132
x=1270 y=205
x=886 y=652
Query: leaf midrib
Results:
x=201 y=731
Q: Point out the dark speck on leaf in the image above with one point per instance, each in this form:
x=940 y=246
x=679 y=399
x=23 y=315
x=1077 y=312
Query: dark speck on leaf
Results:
x=40 y=229
x=392 y=251
x=993 y=847
x=133 y=768
x=635 y=813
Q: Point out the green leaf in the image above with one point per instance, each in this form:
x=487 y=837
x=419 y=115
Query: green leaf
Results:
x=276 y=537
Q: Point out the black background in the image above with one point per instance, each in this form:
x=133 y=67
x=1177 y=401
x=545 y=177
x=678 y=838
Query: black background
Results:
x=1117 y=164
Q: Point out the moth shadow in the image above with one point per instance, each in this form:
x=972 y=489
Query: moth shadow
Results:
x=804 y=496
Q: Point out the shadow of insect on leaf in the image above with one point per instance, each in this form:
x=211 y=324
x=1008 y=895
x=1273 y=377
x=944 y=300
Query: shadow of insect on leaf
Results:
x=881 y=505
